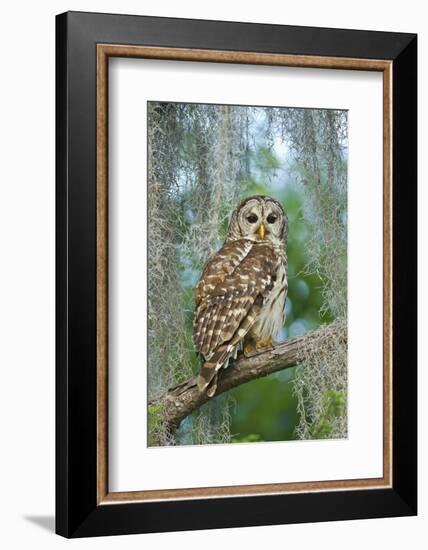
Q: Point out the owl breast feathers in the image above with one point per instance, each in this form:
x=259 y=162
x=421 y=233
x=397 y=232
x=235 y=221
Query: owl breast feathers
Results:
x=241 y=294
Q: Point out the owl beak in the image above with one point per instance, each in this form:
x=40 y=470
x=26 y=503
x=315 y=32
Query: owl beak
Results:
x=262 y=231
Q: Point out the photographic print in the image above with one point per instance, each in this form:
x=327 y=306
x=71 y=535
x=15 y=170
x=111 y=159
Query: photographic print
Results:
x=247 y=273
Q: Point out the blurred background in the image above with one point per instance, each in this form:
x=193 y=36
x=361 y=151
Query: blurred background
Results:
x=203 y=159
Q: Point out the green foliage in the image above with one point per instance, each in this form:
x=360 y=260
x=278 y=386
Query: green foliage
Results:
x=250 y=438
x=156 y=430
x=333 y=404
x=266 y=407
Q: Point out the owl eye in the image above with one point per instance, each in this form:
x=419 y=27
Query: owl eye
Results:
x=252 y=218
x=271 y=218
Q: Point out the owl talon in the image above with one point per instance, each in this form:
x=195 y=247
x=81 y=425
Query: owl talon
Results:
x=249 y=350
x=263 y=344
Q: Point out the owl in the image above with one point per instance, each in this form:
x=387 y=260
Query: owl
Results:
x=241 y=294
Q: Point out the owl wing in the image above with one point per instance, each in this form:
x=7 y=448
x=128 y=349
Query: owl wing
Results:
x=231 y=292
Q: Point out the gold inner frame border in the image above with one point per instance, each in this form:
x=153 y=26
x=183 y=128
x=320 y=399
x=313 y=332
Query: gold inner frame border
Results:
x=104 y=52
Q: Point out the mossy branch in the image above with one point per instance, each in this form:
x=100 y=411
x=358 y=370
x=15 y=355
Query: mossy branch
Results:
x=178 y=402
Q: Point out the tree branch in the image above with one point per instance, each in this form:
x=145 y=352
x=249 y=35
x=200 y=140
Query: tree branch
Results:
x=180 y=401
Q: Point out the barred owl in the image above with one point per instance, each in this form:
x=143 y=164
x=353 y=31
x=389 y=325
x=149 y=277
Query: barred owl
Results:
x=241 y=295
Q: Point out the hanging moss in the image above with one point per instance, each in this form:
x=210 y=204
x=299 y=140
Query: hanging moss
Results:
x=318 y=139
x=196 y=156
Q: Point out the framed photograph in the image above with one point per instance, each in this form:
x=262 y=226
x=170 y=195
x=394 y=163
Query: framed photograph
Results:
x=236 y=274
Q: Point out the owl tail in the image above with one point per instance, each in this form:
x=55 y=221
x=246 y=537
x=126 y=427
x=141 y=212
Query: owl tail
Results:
x=207 y=380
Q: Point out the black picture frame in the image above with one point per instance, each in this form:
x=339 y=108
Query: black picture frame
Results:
x=77 y=511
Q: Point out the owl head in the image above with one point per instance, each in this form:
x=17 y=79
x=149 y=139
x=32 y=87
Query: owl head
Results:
x=259 y=218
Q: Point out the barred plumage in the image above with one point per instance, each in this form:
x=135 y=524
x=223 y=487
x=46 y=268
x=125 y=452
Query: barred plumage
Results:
x=241 y=294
